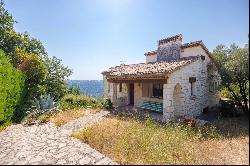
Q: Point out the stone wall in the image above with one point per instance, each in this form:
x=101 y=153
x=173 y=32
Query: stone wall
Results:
x=192 y=105
x=122 y=97
x=107 y=88
x=151 y=58
x=111 y=90
x=194 y=51
x=165 y=52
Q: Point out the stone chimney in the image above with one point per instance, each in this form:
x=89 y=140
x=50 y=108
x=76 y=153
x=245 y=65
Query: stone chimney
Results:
x=176 y=38
x=169 y=48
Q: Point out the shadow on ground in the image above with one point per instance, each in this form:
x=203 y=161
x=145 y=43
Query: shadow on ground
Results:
x=233 y=127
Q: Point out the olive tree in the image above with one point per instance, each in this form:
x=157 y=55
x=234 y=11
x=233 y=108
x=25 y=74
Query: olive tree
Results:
x=233 y=65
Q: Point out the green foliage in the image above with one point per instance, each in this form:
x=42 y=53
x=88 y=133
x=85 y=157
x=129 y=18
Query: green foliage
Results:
x=233 y=66
x=11 y=89
x=73 y=90
x=227 y=94
x=232 y=62
x=31 y=65
x=55 y=80
x=80 y=101
x=44 y=75
x=11 y=40
x=107 y=103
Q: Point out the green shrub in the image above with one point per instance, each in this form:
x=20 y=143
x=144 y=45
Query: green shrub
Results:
x=107 y=103
x=11 y=88
x=80 y=101
x=73 y=90
x=225 y=93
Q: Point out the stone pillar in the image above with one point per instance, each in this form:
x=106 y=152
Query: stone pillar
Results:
x=168 y=110
x=105 y=87
x=114 y=95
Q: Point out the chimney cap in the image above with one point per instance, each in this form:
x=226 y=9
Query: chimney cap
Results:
x=169 y=39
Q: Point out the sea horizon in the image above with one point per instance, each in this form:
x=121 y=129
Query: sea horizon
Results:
x=93 y=88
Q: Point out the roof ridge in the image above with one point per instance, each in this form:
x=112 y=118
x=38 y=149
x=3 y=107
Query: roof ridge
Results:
x=149 y=68
x=197 y=41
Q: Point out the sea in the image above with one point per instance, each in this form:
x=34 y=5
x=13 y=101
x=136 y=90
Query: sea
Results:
x=93 y=88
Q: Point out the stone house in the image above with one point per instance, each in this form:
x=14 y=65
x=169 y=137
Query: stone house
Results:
x=176 y=80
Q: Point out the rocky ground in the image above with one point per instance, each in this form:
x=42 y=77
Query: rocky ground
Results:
x=48 y=144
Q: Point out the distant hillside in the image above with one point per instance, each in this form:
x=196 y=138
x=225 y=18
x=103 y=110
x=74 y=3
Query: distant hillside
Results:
x=92 y=88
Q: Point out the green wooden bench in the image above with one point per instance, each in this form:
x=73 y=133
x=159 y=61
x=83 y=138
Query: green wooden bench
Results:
x=153 y=106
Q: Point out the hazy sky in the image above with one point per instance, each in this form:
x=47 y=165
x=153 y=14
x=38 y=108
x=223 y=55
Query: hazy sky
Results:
x=92 y=35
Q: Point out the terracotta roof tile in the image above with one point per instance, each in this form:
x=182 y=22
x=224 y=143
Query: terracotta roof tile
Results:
x=143 y=69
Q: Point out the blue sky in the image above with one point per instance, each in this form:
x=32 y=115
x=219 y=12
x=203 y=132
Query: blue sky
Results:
x=92 y=35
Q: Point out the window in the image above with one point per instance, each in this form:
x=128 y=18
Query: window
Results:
x=203 y=57
x=192 y=81
x=217 y=86
x=214 y=86
x=192 y=89
x=203 y=64
x=120 y=87
x=158 y=90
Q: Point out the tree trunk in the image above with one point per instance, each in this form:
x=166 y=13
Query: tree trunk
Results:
x=244 y=96
x=236 y=98
x=244 y=106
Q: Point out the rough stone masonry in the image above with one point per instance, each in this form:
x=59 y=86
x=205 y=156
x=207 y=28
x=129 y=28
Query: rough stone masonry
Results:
x=48 y=144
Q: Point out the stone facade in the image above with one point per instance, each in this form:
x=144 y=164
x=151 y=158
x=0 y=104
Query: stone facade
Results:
x=120 y=98
x=187 y=91
x=151 y=58
x=169 y=52
x=189 y=104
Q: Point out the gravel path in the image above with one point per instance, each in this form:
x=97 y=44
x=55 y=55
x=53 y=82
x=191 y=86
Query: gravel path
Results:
x=48 y=144
x=84 y=121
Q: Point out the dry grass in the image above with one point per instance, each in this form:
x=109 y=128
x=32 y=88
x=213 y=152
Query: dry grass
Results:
x=233 y=151
x=232 y=147
x=129 y=141
x=4 y=126
x=63 y=117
